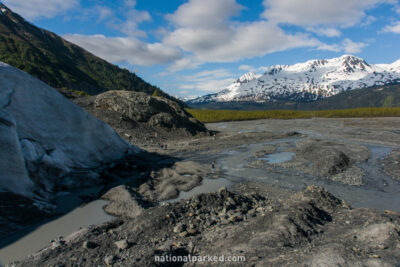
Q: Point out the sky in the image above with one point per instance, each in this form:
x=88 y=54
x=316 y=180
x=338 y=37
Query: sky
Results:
x=196 y=47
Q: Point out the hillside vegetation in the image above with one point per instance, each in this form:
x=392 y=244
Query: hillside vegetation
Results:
x=60 y=63
x=206 y=116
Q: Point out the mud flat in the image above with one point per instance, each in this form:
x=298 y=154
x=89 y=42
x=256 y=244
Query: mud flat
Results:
x=317 y=192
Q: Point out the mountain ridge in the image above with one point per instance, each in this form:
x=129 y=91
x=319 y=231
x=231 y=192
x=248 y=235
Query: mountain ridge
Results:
x=308 y=81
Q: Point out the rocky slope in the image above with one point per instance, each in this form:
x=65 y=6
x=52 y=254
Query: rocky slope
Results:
x=48 y=142
x=141 y=118
x=307 y=81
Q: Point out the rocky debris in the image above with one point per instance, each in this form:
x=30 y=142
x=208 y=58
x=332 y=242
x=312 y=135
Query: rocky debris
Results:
x=325 y=159
x=110 y=260
x=179 y=228
x=392 y=164
x=330 y=157
x=122 y=244
x=141 y=118
x=166 y=183
x=310 y=227
x=124 y=202
x=89 y=245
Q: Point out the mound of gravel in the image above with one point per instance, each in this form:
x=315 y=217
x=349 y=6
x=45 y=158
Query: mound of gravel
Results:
x=308 y=228
x=139 y=117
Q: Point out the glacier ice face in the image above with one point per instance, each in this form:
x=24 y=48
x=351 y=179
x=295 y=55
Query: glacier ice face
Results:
x=307 y=81
x=45 y=138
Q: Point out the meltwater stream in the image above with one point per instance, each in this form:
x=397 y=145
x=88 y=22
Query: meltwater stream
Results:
x=35 y=238
x=379 y=190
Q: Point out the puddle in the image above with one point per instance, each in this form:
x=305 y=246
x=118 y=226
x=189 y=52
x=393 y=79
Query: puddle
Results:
x=35 y=238
x=379 y=191
x=207 y=186
x=280 y=157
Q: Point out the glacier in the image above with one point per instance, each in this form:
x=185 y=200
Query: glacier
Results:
x=47 y=141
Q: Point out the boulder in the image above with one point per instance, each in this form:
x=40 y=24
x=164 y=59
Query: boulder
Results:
x=157 y=112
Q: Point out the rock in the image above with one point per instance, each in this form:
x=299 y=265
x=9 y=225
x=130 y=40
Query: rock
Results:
x=191 y=247
x=157 y=112
x=231 y=201
x=179 y=228
x=251 y=212
x=89 y=245
x=222 y=190
x=110 y=260
x=122 y=244
x=192 y=231
x=224 y=221
x=236 y=217
x=183 y=234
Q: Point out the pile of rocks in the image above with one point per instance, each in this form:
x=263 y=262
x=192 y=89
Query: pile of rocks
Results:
x=222 y=208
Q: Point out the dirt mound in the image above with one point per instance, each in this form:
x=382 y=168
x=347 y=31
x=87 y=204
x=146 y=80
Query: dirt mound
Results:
x=327 y=160
x=331 y=160
x=139 y=117
x=309 y=228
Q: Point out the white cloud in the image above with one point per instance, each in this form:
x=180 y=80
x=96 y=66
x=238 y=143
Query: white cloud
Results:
x=204 y=13
x=128 y=22
x=34 y=9
x=134 y=18
x=103 y=12
x=207 y=81
x=204 y=30
x=351 y=47
x=342 y=13
x=249 y=68
x=324 y=31
x=183 y=64
x=126 y=49
x=130 y=3
x=368 y=20
x=394 y=28
x=397 y=8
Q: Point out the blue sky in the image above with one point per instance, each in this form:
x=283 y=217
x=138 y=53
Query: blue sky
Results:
x=197 y=47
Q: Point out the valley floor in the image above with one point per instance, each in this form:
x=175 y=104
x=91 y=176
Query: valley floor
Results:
x=273 y=209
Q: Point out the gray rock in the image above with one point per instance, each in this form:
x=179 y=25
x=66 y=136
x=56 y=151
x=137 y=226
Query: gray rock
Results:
x=110 y=260
x=183 y=234
x=236 y=217
x=157 y=112
x=89 y=245
x=231 y=201
x=222 y=190
x=122 y=244
x=179 y=228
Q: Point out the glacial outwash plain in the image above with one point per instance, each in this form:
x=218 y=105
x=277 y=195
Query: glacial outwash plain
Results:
x=298 y=166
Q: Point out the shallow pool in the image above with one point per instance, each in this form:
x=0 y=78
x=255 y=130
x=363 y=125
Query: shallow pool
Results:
x=35 y=238
x=280 y=157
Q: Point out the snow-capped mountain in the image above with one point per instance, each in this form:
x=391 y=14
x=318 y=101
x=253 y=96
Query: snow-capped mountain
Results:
x=307 y=81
